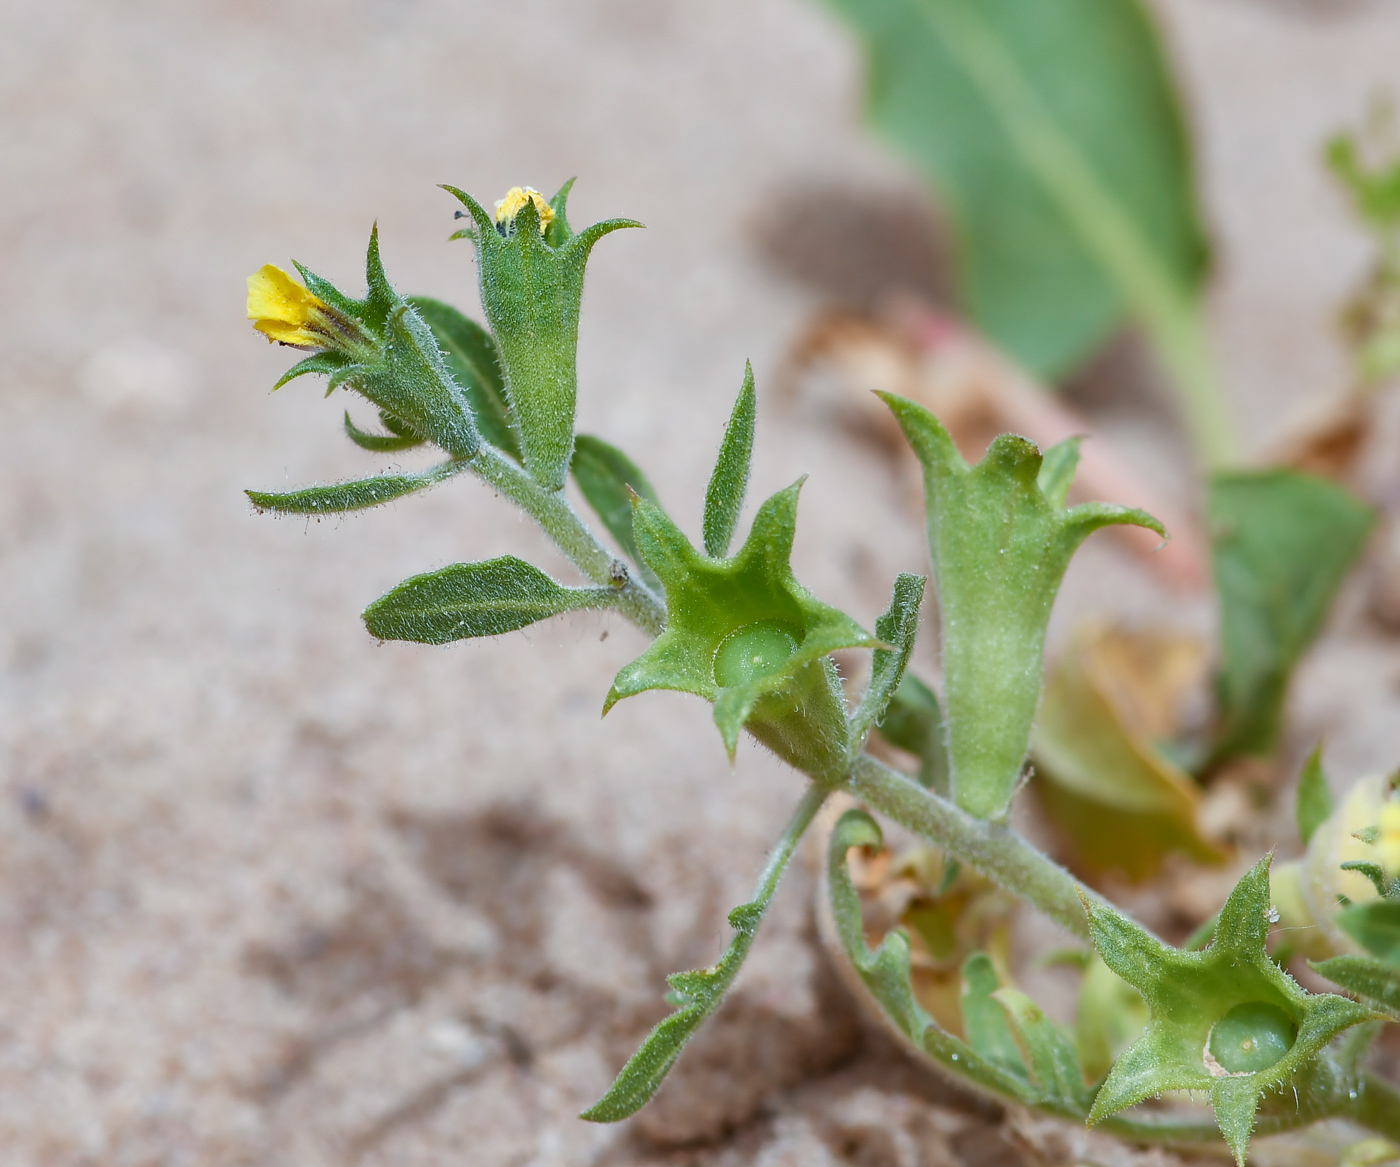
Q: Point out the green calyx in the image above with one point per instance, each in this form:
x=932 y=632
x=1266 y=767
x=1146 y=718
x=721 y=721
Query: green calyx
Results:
x=531 y=287
x=1000 y=538
x=398 y=364
x=1226 y=1020
x=743 y=633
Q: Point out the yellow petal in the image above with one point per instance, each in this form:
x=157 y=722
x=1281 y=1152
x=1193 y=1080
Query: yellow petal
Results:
x=284 y=311
x=508 y=207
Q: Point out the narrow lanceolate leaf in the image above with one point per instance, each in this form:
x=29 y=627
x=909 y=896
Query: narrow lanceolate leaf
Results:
x=471 y=357
x=1000 y=547
x=984 y=1021
x=608 y=479
x=698 y=993
x=351 y=496
x=1375 y=983
x=897 y=628
x=1047 y=1050
x=1314 y=806
x=379 y=443
x=724 y=498
x=913 y=721
x=475 y=599
x=1282 y=542
x=1069 y=211
x=323 y=364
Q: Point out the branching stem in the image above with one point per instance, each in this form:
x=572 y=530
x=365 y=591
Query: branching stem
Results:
x=558 y=519
x=994 y=849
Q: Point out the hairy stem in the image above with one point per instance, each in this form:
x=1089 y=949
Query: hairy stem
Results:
x=557 y=519
x=778 y=857
x=994 y=849
x=1179 y=335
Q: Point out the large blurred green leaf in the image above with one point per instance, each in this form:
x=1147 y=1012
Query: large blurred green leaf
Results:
x=1054 y=134
x=1281 y=544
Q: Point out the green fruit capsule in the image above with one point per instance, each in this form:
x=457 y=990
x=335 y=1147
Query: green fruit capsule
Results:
x=1251 y=1037
x=751 y=652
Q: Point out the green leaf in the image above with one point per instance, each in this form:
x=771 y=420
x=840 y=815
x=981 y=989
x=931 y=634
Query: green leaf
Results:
x=471 y=357
x=1054 y=136
x=475 y=599
x=1047 y=1050
x=724 y=497
x=1375 y=190
x=743 y=633
x=1375 y=983
x=1282 y=542
x=324 y=364
x=608 y=479
x=1314 y=805
x=1122 y=805
x=379 y=443
x=531 y=292
x=913 y=721
x=984 y=1020
x=698 y=993
x=1375 y=925
x=1000 y=548
x=351 y=496
x=898 y=628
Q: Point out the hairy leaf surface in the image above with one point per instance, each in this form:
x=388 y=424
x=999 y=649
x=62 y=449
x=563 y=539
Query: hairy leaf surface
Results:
x=475 y=599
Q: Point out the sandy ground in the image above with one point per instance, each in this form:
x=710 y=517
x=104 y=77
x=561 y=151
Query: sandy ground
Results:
x=273 y=894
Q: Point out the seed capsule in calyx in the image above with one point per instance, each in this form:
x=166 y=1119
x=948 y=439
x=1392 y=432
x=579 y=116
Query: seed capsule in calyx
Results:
x=1251 y=1037
x=752 y=652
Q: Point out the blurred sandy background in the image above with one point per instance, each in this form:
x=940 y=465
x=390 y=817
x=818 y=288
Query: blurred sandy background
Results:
x=272 y=894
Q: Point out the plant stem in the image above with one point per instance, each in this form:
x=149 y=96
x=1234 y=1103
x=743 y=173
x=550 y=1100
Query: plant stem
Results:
x=1178 y=333
x=778 y=857
x=558 y=519
x=992 y=848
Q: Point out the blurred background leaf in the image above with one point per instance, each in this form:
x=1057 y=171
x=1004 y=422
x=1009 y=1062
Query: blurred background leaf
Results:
x=1282 y=542
x=1054 y=135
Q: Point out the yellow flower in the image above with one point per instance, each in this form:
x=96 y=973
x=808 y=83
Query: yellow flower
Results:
x=1389 y=840
x=517 y=197
x=285 y=312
